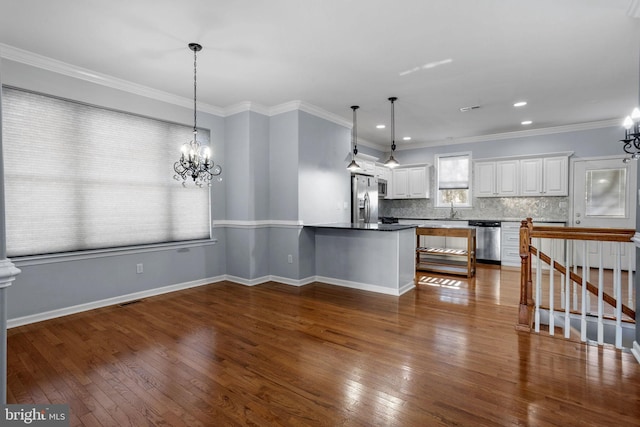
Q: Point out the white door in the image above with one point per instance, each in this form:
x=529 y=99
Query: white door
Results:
x=604 y=196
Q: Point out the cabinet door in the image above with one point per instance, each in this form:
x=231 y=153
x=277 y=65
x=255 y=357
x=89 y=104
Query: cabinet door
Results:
x=507 y=178
x=531 y=177
x=417 y=183
x=485 y=179
x=556 y=176
x=400 y=183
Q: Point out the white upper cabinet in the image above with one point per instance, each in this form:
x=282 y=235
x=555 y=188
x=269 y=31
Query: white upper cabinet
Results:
x=556 y=176
x=531 y=177
x=418 y=188
x=485 y=179
x=410 y=182
x=496 y=179
x=367 y=167
x=526 y=176
x=507 y=177
x=547 y=176
x=400 y=183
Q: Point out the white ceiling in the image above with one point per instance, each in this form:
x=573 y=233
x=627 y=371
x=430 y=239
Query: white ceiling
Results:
x=573 y=61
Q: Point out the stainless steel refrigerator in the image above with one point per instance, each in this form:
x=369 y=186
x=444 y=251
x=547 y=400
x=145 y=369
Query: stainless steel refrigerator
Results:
x=364 y=199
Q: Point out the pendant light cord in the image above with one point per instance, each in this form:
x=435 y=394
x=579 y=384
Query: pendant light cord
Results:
x=393 y=124
x=354 y=133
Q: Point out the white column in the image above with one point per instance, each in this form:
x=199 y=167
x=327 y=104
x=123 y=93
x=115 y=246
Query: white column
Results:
x=8 y=273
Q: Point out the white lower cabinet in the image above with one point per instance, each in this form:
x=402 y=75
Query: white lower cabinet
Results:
x=510 y=245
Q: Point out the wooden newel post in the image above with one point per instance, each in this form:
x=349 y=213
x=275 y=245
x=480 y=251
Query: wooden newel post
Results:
x=526 y=297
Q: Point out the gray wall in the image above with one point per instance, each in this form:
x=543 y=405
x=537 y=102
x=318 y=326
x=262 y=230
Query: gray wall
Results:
x=323 y=179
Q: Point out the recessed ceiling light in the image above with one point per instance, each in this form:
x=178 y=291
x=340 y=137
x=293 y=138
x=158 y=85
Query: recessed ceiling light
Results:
x=406 y=138
x=526 y=122
x=520 y=104
x=380 y=126
x=471 y=107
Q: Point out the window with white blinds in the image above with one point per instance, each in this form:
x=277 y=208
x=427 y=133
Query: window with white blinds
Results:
x=453 y=176
x=79 y=177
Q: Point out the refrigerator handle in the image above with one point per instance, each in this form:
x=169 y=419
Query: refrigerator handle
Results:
x=367 y=208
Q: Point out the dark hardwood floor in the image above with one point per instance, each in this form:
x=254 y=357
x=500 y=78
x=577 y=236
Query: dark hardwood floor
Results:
x=225 y=354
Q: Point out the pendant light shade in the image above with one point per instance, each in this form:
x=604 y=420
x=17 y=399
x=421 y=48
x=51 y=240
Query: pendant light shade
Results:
x=392 y=162
x=353 y=166
x=195 y=160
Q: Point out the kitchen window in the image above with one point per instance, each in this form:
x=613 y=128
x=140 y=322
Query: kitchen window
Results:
x=80 y=177
x=453 y=177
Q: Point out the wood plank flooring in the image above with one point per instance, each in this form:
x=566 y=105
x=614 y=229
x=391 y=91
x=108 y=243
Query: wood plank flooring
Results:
x=225 y=354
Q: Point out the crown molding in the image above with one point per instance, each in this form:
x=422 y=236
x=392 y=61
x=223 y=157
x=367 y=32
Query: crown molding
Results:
x=518 y=134
x=39 y=61
x=285 y=108
x=245 y=106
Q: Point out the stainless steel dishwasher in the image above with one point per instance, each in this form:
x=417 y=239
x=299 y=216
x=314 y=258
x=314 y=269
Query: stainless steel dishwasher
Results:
x=487 y=241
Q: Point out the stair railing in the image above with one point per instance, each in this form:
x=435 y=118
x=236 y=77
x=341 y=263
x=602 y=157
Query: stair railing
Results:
x=530 y=307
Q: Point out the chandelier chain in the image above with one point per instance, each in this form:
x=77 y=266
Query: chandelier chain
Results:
x=195 y=87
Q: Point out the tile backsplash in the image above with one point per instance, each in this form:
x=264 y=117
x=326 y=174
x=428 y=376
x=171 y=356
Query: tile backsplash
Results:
x=498 y=208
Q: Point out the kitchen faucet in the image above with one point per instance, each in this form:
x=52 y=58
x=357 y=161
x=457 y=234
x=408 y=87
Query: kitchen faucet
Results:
x=452 y=213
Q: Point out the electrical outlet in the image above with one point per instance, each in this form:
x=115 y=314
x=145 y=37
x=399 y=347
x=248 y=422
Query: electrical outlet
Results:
x=139 y=269
x=290 y=259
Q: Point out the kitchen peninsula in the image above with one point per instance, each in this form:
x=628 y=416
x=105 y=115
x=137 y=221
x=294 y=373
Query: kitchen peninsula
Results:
x=372 y=257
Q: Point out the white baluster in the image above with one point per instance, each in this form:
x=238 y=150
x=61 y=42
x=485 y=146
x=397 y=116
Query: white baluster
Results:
x=600 y=296
x=632 y=252
x=617 y=281
x=583 y=311
x=538 y=286
x=586 y=271
x=575 y=271
x=551 y=292
x=567 y=286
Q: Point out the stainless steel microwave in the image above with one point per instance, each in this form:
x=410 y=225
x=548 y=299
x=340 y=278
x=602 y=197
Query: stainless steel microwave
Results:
x=382 y=188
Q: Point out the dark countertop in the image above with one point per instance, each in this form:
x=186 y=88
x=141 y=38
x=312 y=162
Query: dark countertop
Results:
x=372 y=227
x=563 y=221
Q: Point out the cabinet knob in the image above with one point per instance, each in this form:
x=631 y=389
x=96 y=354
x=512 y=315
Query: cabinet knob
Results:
x=578 y=222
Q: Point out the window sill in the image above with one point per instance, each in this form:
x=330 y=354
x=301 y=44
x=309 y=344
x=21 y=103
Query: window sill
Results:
x=102 y=253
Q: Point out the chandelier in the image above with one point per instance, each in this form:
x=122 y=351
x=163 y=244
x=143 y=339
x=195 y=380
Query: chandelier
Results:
x=631 y=139
x=195 y=160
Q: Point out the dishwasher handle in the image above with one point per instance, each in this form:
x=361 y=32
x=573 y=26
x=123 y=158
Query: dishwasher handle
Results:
x=485 y=224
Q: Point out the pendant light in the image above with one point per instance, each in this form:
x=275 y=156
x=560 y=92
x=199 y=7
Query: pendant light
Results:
x=392 y=162
x=353 y=166
x=195 y=161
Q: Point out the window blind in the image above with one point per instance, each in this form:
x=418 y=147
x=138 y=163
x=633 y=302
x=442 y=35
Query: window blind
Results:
x=80 y=177
x=453 y=173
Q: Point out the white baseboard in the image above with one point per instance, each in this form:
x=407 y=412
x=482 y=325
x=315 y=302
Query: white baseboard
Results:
x=25 y=320
x=636 y=351
x=366 y=286
x=47 y=315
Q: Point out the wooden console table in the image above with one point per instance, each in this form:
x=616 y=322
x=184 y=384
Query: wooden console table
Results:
x=447 y=260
